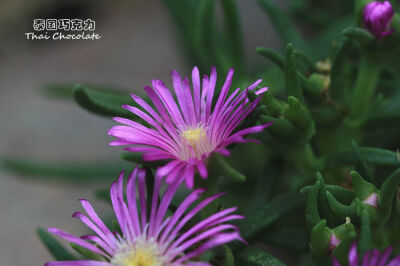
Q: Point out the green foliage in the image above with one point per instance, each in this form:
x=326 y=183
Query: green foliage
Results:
x=55 y=248
x=71 y=171
x=253 y=256
x=334 y=106
x=105 y=103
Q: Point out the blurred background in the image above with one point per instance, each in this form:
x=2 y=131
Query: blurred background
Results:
x=138 y=42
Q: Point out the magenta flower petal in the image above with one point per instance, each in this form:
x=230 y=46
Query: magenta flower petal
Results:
x=155 y=238
x=370 y=258
x=188 y=130
x=377 y=18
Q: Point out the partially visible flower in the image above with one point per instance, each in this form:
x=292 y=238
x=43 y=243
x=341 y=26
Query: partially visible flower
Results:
x=372 y=200
x=371 y=258
x=187 y=133
x=150 y=237
x=377 y=18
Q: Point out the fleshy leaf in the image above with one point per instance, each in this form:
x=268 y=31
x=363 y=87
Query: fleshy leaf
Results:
x=58 y=251
x=87 y=254
x=292 y=80
x=71 y=171
x=370 y=155
x=253 y=256
x=273 y=55
x=337 y=88
x=287 y=238
x=267 y=215
x=360 y=35
x=105 y=103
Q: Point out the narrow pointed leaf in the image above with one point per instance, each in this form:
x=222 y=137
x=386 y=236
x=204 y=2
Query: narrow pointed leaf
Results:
x=340 y=193
x=220 y=167
x=229 y=259
x=312 y=212
x=284 y=27
x=58 y=251
x=268 y=215
x=360 y=164
x=371 y=155
x=274 y=106
x=71 y=171
x=104 y=103
x=337 y=88
x=365 y=242
x=388 y=192
x=273 y=55
x=87 y=254
x=340 y=210
x=253 y=256
x=360 y=35
x=288 y=238
x=233 y=34
x=204 y=30
x=292 y=80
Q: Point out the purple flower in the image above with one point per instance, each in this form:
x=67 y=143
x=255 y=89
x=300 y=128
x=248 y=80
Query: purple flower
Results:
x=187 y=133
x=371 y=258
x=378 y=17
x=148 y=236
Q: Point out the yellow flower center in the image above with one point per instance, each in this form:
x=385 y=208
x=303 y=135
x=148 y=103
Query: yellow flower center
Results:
x=195 y=142
x=140 y=254
x=194 y=135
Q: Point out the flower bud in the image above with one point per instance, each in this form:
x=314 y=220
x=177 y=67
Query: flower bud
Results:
x=377 y=18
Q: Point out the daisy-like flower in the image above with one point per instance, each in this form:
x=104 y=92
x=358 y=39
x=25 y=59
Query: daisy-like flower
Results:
x=371 y=258
x=377 y=18
x=188 y=131
x=150 y=237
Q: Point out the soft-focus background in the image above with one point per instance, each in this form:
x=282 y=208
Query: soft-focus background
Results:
x=138 y=43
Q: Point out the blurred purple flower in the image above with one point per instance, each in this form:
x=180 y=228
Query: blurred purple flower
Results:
x=371 y=258
x=378 y=17
x=148 y=236
x=187 y=133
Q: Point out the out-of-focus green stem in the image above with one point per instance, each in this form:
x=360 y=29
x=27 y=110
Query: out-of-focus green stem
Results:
x=365 y=86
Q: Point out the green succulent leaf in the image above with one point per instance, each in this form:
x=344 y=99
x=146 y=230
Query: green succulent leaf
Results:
x=232 y=33
x=300 y=116
x=71 y=171
x=365 y=242
x=273 y=55
x=387 y=193
x=338 y=89
x=371 y=156
x=253 y=256
x=58 y=251
x=288 y=238
x=204 y=31
x=220 y=167
x=274 y=106
x=360 y=35
x=292 y=80
x=268 y=215
x=311 y=212
x=229 y=259
x=103 y=194
x=359 y=162
x=106 y=103
x=87 y=254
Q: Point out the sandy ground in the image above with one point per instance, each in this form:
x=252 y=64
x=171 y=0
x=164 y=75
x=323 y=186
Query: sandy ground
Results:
x=137 y=44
